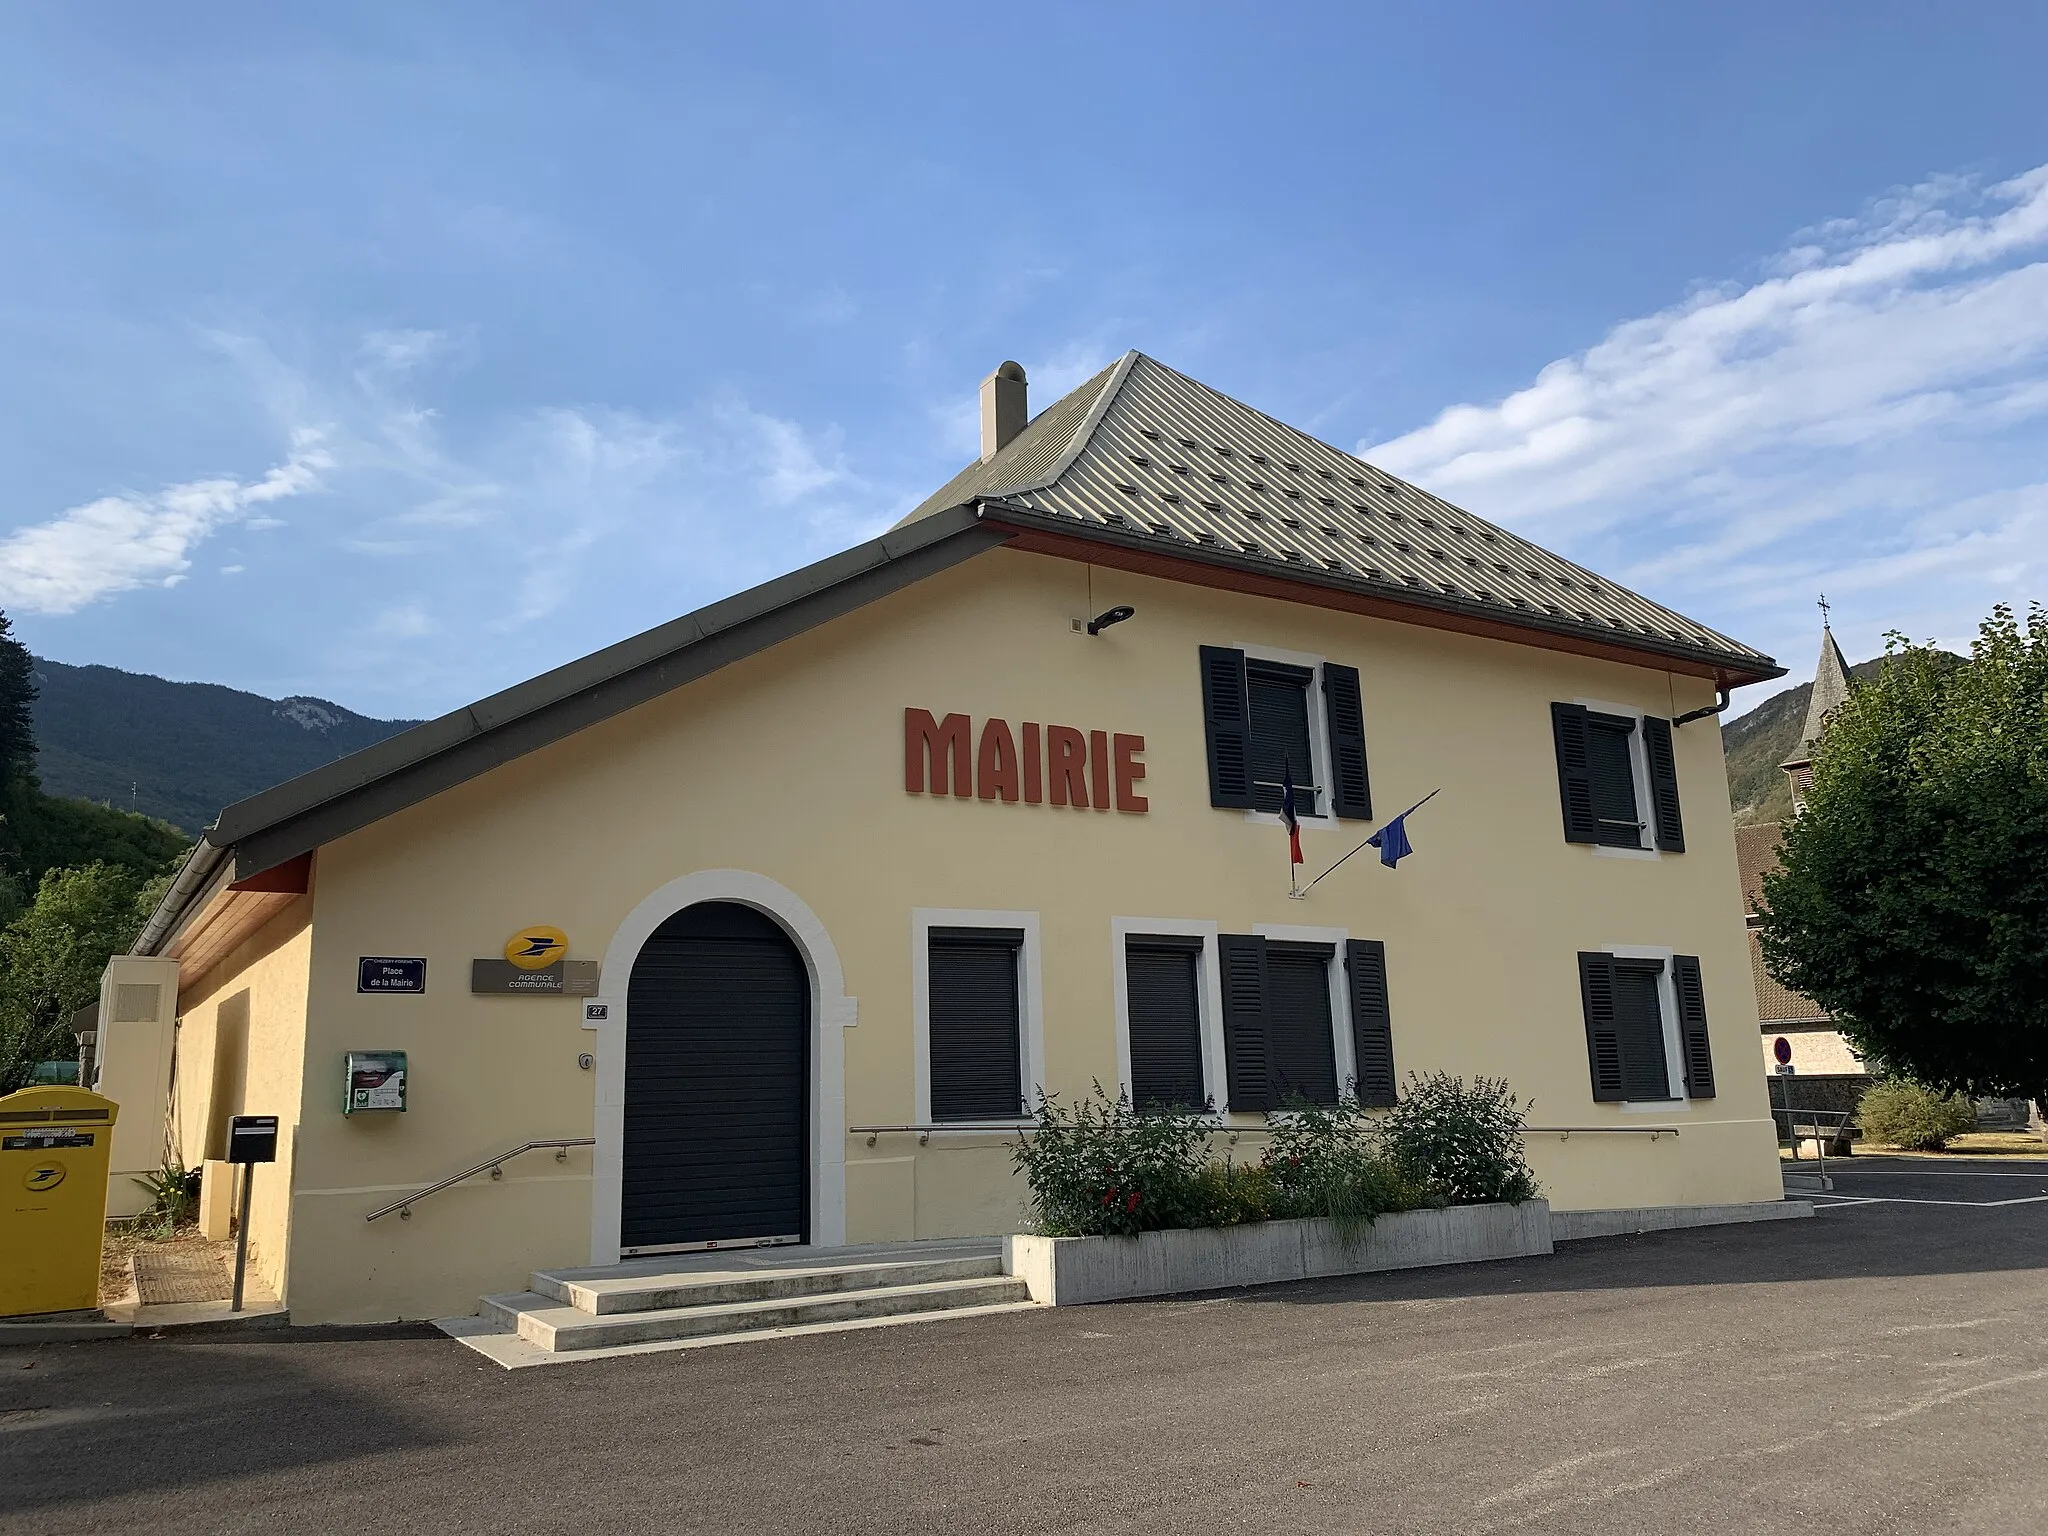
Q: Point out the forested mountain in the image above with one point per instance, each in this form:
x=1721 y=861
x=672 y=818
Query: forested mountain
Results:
x=180 y=751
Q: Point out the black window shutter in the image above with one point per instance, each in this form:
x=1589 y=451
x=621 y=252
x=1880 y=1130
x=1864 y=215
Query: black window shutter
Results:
x=1603 y=1036
x=1692 y=1027
x=1372 y=1024
x=1227 y=722
x=1350 y=791
x=977 y=1070
x=1241 y=957
x=1663 y=784
x=1574 y=773
x=1164 y=1009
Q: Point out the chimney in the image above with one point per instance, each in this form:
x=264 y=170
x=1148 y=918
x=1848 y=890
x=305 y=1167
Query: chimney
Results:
x=1003 y=412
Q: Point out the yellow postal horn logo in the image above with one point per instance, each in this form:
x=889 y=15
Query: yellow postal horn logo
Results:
x=534 y=948
x=44 y=1176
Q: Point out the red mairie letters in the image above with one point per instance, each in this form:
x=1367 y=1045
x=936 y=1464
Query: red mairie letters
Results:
x=1037 y=764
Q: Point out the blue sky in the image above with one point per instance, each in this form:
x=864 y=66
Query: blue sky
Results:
x=392 y=354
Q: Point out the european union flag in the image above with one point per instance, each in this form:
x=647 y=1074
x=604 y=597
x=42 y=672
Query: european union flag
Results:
x=1392 y=841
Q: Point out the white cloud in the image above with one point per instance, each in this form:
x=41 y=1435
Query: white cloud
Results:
x=1855 y=419
x=118 y=543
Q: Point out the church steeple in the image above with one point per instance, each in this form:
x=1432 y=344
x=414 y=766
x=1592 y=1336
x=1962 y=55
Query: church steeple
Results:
x=1830 y=691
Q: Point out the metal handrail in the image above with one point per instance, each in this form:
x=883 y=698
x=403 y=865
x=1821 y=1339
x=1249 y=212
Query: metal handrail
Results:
x=1566 y=1132
x=1022 y=1127
x=494 y=1164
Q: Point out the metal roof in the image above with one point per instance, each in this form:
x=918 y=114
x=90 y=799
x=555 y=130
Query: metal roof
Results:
x=1145 y=454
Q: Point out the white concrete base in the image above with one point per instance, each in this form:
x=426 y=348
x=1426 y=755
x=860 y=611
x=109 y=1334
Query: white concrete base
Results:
x=515 y=1353
x=1571 y=1226
x=688 y=1301
x=1073 y=1271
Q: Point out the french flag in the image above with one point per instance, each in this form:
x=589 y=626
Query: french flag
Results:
x=1287 y=815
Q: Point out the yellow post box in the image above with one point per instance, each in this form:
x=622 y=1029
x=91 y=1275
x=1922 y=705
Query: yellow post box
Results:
x=54 y=1147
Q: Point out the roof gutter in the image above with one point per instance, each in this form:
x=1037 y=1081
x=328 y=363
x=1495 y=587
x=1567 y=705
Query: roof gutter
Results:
x=1732 y=670
x=193 y=877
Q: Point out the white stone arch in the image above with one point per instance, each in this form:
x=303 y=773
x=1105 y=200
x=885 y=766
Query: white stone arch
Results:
x=831 y=1012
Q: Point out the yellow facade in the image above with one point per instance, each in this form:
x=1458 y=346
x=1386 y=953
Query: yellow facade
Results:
x=787 y=768
x=242 y=1050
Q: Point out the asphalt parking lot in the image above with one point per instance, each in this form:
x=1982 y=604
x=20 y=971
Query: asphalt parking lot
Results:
x=1989 y=1182
x=1881 y=1368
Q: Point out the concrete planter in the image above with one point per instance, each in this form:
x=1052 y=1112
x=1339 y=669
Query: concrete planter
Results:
x=1071 y=1271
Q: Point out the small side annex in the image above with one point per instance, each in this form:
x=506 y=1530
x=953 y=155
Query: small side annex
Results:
x=822 y=885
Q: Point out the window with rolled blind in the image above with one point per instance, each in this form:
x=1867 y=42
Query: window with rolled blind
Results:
x=1265 y=720
x=1617 y=779
x=1280 y=735
x=1628 y=1047
x=975 y=1019
x=1279 y=1026
x=1162 y=978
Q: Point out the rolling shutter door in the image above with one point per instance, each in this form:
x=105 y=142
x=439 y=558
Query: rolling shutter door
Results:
x=1350 y=787
x=976 y=1034
x=1227 y=725
x=1372 y=1025
x=1242 y=959
x=716 y=1114
x=1692 y=1027
x=1574 y=773
x=1164 y=1009
x=1663 y=761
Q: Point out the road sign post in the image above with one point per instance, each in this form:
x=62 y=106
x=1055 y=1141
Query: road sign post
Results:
x=252 y=1139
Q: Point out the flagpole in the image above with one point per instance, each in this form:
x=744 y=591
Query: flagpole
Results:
x=1418 y=805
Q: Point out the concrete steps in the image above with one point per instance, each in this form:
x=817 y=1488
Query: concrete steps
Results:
x=689 y=1301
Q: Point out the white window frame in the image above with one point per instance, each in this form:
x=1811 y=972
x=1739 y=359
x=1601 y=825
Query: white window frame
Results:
x=1639 y=766
x=1208 y=997
x=1030 y=1006
x=1340 y=991
x=1667 y=1006
x=1318 y=737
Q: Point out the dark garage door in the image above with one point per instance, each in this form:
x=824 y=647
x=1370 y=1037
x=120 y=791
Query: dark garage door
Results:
x=717 y=1073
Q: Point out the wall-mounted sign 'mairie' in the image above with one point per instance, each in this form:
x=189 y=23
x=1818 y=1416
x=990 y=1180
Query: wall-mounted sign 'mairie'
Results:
x=1038 y=764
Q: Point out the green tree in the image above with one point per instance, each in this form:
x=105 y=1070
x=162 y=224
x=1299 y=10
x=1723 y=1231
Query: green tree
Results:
x=51 y=957
x=1913 y=899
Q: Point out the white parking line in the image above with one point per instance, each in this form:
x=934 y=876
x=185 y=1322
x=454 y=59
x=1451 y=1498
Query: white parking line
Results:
x=1935 y=1173
x=1975 y=1205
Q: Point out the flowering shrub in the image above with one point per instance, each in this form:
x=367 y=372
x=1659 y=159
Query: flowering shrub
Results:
x=1098 y=1168
x=1465 y=1142
x=1326 y=1161
x=1101 y=1169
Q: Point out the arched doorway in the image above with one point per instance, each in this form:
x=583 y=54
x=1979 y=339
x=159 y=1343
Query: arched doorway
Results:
x=716 y=1144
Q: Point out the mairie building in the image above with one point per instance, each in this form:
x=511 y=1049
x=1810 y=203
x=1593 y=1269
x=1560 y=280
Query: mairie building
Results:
x=771 y=924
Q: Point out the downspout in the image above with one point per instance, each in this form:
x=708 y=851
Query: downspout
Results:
x=1720 y=703
x=192 y=878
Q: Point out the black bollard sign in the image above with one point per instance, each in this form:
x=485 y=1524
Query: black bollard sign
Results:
x=252 y=1139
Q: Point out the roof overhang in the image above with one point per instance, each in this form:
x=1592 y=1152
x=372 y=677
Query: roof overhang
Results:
x=1199 y=565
